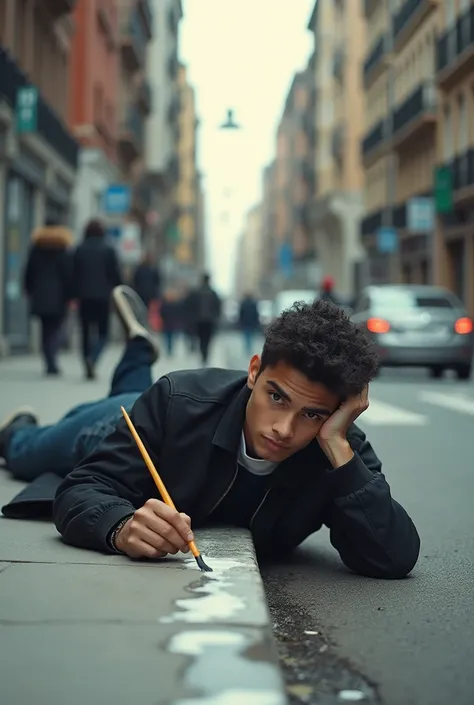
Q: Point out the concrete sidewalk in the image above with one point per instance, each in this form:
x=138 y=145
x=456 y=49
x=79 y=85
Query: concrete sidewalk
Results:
x=80 y=627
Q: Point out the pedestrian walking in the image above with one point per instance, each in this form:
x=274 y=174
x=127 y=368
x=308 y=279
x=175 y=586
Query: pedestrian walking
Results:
x=206 y=307
x=171 y=315
x=327 y=290
x=249 y=321
x=96 y=273
x=48 y=286
x=147 y=280
x=274 y=450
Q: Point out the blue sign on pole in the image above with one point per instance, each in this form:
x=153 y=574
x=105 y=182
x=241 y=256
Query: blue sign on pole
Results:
x=117 y=199
x=286 y=259
x=387 y=240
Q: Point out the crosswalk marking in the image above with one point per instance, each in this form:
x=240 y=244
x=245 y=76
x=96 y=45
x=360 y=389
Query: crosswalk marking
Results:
x=456 y=402
x=382 y=414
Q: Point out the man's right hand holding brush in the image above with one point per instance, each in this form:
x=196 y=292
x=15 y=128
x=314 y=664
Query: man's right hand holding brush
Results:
x=153 y=531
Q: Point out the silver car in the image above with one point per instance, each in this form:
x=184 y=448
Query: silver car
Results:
x=422 y=326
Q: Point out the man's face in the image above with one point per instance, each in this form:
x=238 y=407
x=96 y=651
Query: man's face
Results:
x=285 y=411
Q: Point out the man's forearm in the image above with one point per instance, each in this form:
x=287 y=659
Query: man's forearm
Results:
x=338 y=451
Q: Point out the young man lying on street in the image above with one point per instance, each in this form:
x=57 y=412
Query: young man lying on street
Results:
x=275 y=450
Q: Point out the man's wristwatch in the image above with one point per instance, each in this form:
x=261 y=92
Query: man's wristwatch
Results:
x=115 y=533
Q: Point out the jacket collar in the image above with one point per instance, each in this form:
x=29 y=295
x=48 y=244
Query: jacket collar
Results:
x=229 y=430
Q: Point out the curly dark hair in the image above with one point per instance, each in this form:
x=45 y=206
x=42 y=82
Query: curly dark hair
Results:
x=319 y=340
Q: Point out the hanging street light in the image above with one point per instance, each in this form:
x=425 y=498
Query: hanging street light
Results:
x=230 y=123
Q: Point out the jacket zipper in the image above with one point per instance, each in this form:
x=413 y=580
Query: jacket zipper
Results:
x=225 y=493
x=258 y=508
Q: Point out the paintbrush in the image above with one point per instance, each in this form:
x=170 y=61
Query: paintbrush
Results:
x=161 y=486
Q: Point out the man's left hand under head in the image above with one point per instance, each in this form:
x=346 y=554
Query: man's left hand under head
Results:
x=332 y=436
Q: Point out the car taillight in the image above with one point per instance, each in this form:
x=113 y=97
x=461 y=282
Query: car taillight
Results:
x=378 y=325
x=463 y=326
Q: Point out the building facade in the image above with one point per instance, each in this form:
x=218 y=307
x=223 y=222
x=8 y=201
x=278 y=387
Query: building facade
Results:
x=339 y=40
x=162 y=162
x=400 y=141
x=93 y=102
x=38 y=154
x=248 y=272
x=453 y=248
x=135 y=101
x=187 y=248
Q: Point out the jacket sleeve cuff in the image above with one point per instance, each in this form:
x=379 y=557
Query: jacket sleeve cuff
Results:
x=350 y=477
x=107 y=523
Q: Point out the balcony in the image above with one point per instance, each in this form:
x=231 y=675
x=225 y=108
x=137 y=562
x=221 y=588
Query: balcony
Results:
x=131 y=136
x=49 y=125
x=58 y=8
x=173 y=169
x=375 y=142
x=144 y=7
x=406 y=21
x=174 y=110
x=337 y=142
x=106 y=21
x=338 y=64
x=462 y=168
x=133 y=43
x=376 y=61
x=415 y=115
x=455 y=51
x=144 y=97
x=173 y=65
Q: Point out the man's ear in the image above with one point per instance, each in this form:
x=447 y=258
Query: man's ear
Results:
x=254 y=369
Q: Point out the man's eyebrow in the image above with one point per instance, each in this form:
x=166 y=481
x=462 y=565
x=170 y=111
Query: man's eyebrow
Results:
x=313 y=409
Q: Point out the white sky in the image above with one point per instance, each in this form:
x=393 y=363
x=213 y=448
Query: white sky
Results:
x=240 y=55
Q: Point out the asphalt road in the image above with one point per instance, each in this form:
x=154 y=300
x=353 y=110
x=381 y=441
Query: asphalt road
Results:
x=408 y=642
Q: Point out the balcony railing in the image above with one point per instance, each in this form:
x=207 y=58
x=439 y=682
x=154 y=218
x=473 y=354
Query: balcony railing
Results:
x=374 y=59
x=145 y=8
x=419 y=103
x=134 y=40
x=454 y=42
x=49 y=125
x=144 y=96
x=374 y=138
x=411 y=13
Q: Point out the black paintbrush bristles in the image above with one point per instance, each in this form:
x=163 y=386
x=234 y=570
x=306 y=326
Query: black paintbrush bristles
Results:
x=203 y=565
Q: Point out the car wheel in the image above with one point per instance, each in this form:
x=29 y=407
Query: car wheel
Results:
x=464 y=371
x=436 y=372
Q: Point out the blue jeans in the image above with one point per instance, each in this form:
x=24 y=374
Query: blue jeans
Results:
x=35 y=450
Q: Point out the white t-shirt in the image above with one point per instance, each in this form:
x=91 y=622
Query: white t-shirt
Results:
x=254 y=465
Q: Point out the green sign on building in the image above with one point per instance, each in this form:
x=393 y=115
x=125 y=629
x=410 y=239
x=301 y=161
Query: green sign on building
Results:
x=443 y=189
x=26 y=109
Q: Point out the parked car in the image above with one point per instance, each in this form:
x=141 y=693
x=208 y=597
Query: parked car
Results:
x=422 y=326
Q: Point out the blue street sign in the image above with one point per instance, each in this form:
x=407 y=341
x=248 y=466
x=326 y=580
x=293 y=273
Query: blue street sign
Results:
x=117 y=198
x=286 y=259
x=387 y=240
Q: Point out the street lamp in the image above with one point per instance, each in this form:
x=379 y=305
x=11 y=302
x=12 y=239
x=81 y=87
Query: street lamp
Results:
x=230 y=123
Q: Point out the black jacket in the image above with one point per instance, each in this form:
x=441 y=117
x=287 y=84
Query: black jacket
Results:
x=146 y=282
x=48 y=273
x=191 y=423
x=96 y=270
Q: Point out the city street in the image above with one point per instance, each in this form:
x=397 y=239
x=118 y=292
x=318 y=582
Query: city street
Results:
x=411 y=640
x=403 y=642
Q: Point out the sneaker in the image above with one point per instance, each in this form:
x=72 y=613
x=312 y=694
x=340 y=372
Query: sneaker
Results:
x=25 y=416
x=134 y=316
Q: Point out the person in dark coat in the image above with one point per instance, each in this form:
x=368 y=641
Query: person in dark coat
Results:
x=96 y=273
x=249 y=320
x=206 y=307
x=171 y=317
x=147 y=281
x=48 y=285
x=327 y=290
